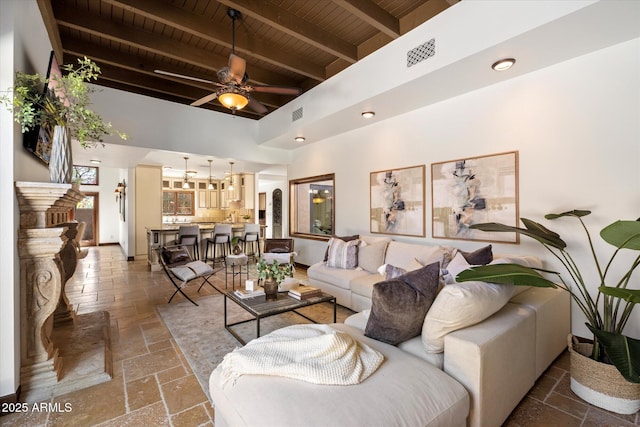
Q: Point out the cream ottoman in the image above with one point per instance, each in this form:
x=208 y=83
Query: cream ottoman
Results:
x=404 y=391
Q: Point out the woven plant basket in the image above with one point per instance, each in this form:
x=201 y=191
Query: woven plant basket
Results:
x=599 y=383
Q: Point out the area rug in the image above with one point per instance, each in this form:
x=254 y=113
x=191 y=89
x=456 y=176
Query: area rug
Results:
x=200 y=333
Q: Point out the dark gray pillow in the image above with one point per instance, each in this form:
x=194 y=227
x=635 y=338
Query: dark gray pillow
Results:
x=399 y=306
x=175 y=255
x=482 y=256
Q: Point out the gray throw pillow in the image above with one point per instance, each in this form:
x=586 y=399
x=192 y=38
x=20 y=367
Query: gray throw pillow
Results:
x=482 y=256
x=345 y=238
x=399 y=306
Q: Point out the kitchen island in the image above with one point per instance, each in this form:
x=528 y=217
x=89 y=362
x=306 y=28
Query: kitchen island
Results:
x=158 y=237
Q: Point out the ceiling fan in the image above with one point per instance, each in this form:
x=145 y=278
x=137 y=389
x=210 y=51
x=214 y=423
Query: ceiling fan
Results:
x=233 y=90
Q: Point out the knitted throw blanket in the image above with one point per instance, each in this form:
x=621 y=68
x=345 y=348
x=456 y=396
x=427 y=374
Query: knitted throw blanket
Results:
x=317 y=354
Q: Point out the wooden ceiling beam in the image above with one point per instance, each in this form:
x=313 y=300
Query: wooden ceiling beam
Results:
x=188 y=22
x=156 y=43
x=293 y=26
x=373 y=15
x=51 y=26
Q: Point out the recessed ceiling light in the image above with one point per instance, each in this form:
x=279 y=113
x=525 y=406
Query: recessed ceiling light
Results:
x=95 y=161
x=503 y=64
x=299 y=138
x=368 y=114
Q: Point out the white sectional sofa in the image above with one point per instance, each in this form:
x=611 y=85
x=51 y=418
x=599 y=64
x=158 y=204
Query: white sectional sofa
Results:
x=481 y=375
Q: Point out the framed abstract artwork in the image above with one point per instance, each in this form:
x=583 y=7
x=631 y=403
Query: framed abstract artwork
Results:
x=397 y=201
x=472 y=191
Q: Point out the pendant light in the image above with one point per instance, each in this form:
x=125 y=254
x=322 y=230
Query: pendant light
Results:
x=210 y=187
x=231 y=177
x=185 y=184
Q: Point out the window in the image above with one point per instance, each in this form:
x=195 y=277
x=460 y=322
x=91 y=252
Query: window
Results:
x=177 y=203
x=311 y=207
x=85 y=175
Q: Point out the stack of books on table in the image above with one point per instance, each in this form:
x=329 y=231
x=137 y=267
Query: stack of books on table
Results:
x=243 y=293
x=304 y=292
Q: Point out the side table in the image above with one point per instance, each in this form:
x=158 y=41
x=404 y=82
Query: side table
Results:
x=241 y=262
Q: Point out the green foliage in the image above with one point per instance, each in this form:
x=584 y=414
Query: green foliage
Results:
x=67 y=106
x=275 y=271
x=608 y=311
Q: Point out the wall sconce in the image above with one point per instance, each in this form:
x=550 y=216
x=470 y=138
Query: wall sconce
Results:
x=121 y=190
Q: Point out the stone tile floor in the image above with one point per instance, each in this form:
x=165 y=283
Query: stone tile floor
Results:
x=153 y=384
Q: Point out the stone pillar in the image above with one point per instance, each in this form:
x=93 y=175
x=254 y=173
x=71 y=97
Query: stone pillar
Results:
x=42 y=207
x=69 y=256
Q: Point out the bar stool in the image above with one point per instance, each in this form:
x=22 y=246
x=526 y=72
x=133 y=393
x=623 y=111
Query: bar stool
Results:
x=189 y=235
x=251 y=237
x=221 y=236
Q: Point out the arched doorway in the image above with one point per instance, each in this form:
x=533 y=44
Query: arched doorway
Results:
x=276 y=217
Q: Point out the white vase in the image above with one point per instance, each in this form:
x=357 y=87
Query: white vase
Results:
x=60 y=162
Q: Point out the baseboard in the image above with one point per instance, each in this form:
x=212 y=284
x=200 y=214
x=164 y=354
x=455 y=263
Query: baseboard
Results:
x=301 y=266
x=108 y=244
x=9 y=398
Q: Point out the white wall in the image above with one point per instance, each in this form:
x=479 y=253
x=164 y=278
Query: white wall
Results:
x=268 y=187
x=23 y=46
x=108 y=215
x=575 y=125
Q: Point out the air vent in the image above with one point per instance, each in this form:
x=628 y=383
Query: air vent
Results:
x=296 y=115
x=422 y=52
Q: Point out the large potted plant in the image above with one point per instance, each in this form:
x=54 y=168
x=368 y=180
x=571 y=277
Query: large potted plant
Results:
x=607 y=310
x=64 y=108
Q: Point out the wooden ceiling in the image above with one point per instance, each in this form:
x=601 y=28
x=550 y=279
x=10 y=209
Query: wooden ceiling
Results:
x=296 y=43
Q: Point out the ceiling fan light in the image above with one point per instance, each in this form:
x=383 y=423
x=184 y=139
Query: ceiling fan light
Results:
x=233 y=98
x=185 y=185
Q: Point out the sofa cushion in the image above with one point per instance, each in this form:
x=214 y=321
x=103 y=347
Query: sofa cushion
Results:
x=371 y=256
x=398 y=306
x=459 y=305
x=480 y=256
x=403 y=255
x=342 y=254
x=338 y=277
x=363 y=285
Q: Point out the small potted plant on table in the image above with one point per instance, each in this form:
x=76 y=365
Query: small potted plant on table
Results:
x=273 y=274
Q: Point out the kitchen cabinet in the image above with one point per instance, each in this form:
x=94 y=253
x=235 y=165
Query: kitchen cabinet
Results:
x=207 y=198
x=247 y=188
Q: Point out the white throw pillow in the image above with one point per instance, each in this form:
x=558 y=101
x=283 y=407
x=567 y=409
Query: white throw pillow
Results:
x=371 y=256
x=459 y=305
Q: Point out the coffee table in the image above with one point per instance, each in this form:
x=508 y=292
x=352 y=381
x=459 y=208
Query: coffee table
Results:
x=260 y=308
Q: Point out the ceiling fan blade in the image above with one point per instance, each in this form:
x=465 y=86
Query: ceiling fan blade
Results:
x=181 y=76
x=280 y=90
x=205 y=99
x=257 y=106
x=237 y=67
